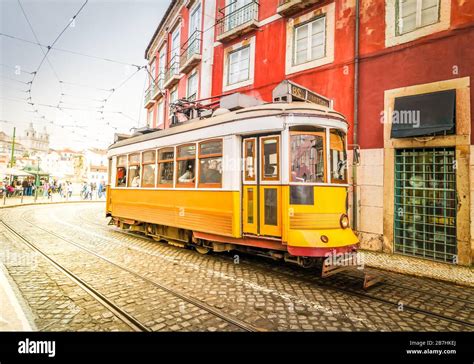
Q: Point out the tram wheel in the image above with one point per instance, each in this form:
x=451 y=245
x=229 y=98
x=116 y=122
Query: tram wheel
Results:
x=202 y=250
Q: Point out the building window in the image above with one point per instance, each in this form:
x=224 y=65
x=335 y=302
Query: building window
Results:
x=186 y=165
x=165 y=167
x=238 y=65
x=134 y=170
x=149 y=119
x=149 y=168
x=210 y=163
x=121 y=171
x=407 y=20
x=173 y=95
x=310 y=41
x=426 y=203
x=415 y=14
x=161 y=68
x=192 y=86
x=161 y=114
x=173 y=99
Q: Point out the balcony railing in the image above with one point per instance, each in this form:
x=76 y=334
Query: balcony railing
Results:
x=172 y=72
x=235 y=21
x=154 y=90
x=150 y=91
x=191 y=54
x=290 y=7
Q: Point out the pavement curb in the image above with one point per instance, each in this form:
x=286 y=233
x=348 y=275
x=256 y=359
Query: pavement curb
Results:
x=46 y=203
x=14 y=315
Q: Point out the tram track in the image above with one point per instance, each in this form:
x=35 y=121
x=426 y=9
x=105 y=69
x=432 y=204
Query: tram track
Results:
x=326 y=284
x=191 y=300
x=386 y=276
x=300 y=276
x=126 y=318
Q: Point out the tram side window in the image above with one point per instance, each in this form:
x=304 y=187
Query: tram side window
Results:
x=186 y=163
x=134 y=170
x=338 y=156
x=121 y=171
x=307 y=157
x=250 y=159
x=165 y=167
x=210 y=163
x=148 y=167
x=270 y=158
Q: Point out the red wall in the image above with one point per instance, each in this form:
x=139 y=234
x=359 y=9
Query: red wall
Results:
x=334 y=80
x=425 y=60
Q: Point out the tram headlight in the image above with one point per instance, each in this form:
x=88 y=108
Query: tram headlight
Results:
x=344 y=221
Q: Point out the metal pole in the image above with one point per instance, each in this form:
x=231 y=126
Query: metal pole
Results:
x=356 y=118
x=12 y=163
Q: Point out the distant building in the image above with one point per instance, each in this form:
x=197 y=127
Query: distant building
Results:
x=6 y=142
x=96 y=168
x=34 y=141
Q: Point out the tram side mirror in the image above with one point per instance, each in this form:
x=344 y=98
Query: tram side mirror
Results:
x=355 y=154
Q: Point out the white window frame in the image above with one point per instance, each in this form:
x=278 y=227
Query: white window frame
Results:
x=162 y=65
x=328 y=11
x=172 y=91
x=309 y=48
x=418 y=16
x=392 y=38
x=227 y=52
x=193 y=73
x=149 y=117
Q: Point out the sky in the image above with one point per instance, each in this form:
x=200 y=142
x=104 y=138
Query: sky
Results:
x=117 y=30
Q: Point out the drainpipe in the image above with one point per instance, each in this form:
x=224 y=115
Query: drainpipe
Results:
x=356 y=118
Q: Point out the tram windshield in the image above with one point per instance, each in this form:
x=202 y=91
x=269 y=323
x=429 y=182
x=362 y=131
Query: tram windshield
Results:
x=307 y=156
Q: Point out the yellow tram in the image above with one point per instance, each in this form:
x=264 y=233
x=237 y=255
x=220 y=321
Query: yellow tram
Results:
x=269 y=179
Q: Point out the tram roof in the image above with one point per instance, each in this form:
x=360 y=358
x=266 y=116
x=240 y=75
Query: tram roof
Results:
x=264 y=110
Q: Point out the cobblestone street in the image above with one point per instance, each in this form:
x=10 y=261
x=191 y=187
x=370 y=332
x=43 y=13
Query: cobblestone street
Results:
x=159 y=287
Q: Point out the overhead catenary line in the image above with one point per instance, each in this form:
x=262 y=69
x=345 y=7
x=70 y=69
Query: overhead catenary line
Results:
x=70 y=51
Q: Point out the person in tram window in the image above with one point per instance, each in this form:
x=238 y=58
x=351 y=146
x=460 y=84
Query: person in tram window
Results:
x=210 y=172
x=136 y=181
x=187 y=176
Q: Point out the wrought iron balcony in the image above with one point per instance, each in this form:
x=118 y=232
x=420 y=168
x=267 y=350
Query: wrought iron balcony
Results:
x=233 y=22
x=150 y=91
x=290 y=7
x=191 y=55
x=172 y=72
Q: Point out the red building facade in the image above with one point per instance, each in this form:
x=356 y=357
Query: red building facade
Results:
x=381 y=53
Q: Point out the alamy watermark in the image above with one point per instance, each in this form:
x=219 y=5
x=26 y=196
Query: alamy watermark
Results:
x=406 y=117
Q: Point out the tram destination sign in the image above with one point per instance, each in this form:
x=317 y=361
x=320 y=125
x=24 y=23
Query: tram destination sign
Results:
x=289 y=92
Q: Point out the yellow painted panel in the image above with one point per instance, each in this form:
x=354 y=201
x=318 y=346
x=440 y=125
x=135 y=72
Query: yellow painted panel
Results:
x=266 y=227
x=306 y=223
x=216 y=212
x=250 y=209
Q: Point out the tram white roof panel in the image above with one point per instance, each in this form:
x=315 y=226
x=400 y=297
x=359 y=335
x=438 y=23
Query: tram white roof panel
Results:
x=270 y=110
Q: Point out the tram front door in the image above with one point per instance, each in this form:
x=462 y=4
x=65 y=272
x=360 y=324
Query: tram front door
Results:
x=261 y=205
